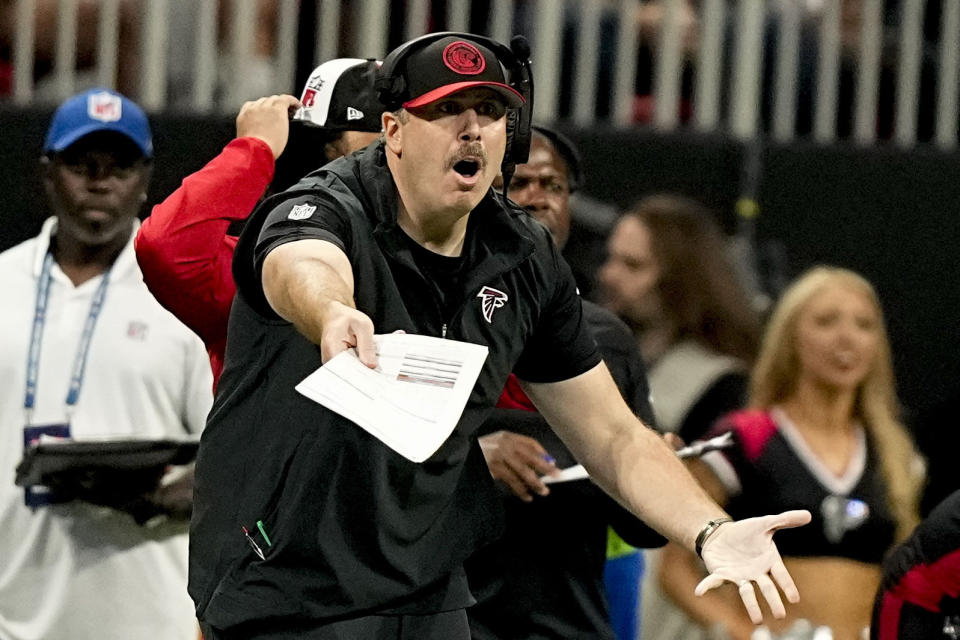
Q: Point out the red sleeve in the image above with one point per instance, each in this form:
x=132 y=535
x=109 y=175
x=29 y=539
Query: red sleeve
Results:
x=753 y=428
x=183 y=249
x=513 y=397
x=926 y=585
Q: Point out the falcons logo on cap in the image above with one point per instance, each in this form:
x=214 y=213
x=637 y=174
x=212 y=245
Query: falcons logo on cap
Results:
x=491 y=300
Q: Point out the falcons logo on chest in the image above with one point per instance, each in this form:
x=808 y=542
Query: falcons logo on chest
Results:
x=490 y=300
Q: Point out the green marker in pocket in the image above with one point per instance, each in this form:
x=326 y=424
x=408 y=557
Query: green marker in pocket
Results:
x=263 y=532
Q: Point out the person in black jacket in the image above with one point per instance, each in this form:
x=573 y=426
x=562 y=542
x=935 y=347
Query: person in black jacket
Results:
x=306 y=525
x=544 y=577
x=919 y=597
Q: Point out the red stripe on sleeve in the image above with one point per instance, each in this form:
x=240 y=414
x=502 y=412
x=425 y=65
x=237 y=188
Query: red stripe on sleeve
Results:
x=889 y=618
x=754 y=428
x=925 y=585
x=513 y=397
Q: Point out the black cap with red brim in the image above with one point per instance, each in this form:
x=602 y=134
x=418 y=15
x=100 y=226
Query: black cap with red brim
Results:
x=451 y=65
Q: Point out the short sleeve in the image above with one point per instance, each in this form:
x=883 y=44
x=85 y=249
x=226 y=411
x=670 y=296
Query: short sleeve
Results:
x=303 y=218
x=562 y=345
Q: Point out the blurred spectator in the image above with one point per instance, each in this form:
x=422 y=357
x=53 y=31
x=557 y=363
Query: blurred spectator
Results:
x=544 y=577
x=88 y=352
x=851 y=19
x=669 y=276
x=254 y=72
x=920 y=595
x=821 y=434
x=650 y=18
x=185 y=247
x=46 y=17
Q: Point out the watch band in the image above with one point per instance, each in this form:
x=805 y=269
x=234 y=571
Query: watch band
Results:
x=707 y=531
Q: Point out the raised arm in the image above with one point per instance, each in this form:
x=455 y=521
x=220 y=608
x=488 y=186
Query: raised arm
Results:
x=636 y=467
x=183 y=247
x=309 y=283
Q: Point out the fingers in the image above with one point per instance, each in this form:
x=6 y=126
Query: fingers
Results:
x=712 y=581
x=743 y=574
x=290 y=102
x=496 y=452
x=333 y=344
x=532 y=455
x=772 y=596
x=345 y=328
x=366 y=349
x=518 y=461
x=674 y=441
x=749 y=598
x=527 y=460
x=268 y=120
x=788 y=519
x=280 y=101
x=517 y=485
x=529 y=477
x=785 y=580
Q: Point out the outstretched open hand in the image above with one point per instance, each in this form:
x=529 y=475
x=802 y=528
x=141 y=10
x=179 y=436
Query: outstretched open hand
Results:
x=743 y=553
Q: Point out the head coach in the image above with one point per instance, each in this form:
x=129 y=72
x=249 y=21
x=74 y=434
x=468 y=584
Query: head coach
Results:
x=304 y=525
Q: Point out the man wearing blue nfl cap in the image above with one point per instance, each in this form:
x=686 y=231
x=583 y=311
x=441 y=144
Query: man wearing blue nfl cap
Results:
x=98 y=110
x=104 y=137
x=88 y=353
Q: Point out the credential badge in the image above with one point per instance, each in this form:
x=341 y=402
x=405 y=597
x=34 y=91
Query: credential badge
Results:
x=301 y=211
x=491 y=300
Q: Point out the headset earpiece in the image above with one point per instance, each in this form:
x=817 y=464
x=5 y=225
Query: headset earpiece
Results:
x=389 y=91
x=524 y=84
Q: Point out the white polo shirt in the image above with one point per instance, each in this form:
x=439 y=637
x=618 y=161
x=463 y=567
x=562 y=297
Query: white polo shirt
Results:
x=74 y=570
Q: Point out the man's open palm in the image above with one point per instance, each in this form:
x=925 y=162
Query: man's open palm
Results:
x=743 y=553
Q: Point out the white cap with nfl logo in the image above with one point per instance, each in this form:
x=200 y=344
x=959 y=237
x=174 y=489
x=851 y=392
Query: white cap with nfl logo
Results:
x=339 y=96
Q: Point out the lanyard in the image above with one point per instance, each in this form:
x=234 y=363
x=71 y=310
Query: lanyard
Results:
x=36 y=338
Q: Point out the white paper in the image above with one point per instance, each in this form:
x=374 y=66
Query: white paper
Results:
x=576 y=472
x=413 y=399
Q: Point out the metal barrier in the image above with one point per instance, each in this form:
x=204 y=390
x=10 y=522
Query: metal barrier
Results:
x=751 y=63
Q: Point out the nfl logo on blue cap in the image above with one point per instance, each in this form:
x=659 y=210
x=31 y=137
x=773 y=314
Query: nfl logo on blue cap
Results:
x=104 y=106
